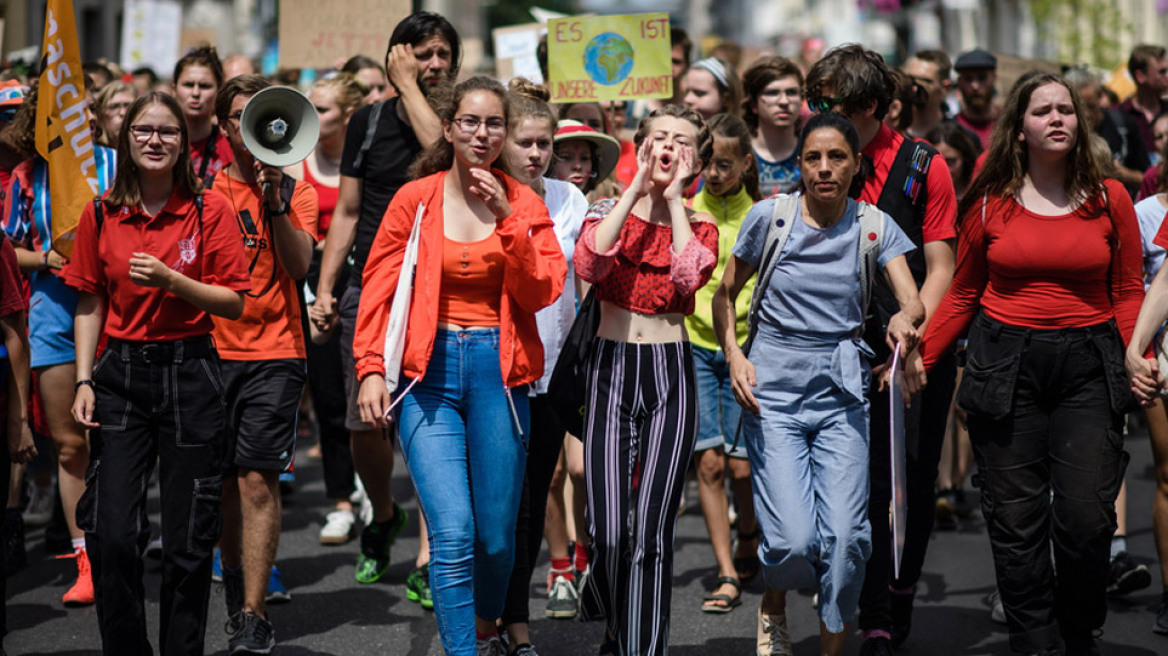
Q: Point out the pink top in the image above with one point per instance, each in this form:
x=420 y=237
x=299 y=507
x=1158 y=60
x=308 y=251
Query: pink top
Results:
x=641 y=273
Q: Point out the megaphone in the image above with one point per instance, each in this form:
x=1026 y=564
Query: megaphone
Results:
x=280 y=126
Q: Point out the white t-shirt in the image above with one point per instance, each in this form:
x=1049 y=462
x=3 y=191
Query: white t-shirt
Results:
x=1150 y=213
x=566 y=206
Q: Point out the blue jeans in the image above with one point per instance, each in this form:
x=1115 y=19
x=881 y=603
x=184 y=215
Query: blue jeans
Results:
x=461 y=440
x=718 y=412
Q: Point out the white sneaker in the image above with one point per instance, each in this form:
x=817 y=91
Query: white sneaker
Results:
x=361 y=501
x=39 y=510
x=338 y=527
x=563 y=599
x=773 y=637
x=492 y=646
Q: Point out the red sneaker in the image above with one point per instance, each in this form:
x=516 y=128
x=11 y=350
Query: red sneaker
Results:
x=81 y=594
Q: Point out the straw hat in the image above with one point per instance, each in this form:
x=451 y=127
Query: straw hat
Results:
x=606 y=148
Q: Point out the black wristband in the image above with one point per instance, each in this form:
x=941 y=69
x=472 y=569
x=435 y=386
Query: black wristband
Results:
x=282 y=208
x=78 y=384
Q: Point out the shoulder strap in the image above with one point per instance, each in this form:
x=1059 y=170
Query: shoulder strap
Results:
x=98 y=214
x=370 y=132
x=209 y=152
x=871 y=240
x=782 y=218
x=199 y=206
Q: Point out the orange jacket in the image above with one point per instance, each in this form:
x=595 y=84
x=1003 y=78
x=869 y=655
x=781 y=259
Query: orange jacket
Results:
x=533 y=277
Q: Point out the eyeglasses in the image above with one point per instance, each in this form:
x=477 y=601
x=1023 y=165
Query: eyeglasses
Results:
x=166 y=133
x=470 y=125
x=823 y=104
x=235 y=116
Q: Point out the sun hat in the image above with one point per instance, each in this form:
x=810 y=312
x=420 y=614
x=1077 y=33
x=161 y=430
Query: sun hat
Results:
x=606 y=148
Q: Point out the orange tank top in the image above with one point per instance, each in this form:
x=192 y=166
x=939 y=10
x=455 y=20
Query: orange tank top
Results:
x=472 y=282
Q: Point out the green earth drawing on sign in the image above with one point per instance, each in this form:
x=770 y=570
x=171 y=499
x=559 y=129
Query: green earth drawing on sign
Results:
x=608 y=58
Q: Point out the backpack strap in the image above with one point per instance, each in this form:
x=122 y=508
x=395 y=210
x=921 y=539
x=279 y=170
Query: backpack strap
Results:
x=98 y=214
x=871 y=239
x=783 y=213
x=370 y=132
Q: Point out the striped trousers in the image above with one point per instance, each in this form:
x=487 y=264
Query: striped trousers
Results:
x=639 y=435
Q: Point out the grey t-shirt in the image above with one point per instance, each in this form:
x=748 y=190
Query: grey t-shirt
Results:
x=815 y=288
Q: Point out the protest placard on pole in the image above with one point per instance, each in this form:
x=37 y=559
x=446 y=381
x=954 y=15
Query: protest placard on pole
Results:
x=62 y=126
x=319 y=33
x=151 y=32
x=609 y=57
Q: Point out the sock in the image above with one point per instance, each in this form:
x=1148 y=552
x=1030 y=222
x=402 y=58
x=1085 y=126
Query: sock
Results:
x=485 y=636
x=581 y=557
x=563 y=567
x=78 y=544
x=1118 y=545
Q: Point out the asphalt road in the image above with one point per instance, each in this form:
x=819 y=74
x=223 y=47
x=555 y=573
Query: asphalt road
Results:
x=331 y=614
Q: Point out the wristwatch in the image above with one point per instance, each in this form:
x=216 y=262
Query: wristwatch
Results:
x=282 y=208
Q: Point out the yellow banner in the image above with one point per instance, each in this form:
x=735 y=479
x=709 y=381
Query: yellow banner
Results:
x=610 y=58
x=62 y=129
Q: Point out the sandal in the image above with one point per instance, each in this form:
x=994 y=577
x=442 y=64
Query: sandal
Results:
x=748 y=567
x=727 y=602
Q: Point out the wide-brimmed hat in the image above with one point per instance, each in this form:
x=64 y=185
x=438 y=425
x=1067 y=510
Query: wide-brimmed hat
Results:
x=607 y=149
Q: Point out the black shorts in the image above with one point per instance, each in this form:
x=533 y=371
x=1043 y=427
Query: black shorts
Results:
x=263 y=404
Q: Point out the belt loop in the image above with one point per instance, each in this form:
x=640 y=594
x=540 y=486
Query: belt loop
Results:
x=178 y=351
x=995 y=330
x=123 y=349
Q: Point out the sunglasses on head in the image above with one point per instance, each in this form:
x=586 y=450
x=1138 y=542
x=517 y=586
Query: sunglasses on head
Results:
x=821 y=104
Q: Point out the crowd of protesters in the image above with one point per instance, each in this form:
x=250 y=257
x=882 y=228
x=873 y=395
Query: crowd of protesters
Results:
x=732 y=271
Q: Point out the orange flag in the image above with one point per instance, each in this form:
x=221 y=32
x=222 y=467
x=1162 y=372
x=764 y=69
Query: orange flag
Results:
x=62 y=128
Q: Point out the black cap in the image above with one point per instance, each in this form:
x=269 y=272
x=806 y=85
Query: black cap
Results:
x=976 y=60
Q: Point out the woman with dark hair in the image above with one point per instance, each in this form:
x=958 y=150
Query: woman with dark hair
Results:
x=646 y=255
x=28 y=220
x=197 y=78
x=804 y=386
x=487 y=260
x=960 y=149
x=153 y=261
x=773 y=87
x=1048 y=283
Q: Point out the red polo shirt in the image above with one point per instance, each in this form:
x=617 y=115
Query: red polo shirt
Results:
x=941 y=206
x=101 y=265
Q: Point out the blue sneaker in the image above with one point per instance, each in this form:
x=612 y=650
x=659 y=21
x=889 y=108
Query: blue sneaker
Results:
x=277 y=593
x=216 y=569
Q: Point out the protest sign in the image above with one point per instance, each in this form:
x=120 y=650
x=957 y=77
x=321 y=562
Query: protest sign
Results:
x=609 y=58
x=319 y=33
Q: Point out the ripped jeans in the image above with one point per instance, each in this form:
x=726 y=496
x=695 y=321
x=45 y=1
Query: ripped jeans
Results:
x=1046 y=416
x=164 y=401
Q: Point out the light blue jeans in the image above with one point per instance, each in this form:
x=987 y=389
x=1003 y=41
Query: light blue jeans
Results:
x=461 y=438
x=809 y=468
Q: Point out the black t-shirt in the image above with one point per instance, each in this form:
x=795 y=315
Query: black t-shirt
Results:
x=1123 y=136
x=382 y=172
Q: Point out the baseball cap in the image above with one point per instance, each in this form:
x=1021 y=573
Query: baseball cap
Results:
x=976 y=60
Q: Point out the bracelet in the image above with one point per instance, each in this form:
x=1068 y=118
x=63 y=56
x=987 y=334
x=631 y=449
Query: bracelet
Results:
x=78 y=384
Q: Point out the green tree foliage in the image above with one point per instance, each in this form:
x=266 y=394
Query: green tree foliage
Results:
x=1082 y=30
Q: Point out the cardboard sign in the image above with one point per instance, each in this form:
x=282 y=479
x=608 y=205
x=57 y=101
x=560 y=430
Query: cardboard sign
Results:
x=515 y=47
x=610 y=58
x=151 y=34
x=62 y=135
x=320 y=33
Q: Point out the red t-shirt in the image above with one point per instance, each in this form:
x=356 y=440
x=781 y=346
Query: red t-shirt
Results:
x=11 y=289
x=1151 y=183
x=941 y=205
x=270 y=327
x=1025 y=269
x=220 y=158
x=983 y=129
x=101 y=264
x=326 y=200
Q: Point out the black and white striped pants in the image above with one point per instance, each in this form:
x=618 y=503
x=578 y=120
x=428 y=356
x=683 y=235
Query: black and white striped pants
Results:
x=639 y=436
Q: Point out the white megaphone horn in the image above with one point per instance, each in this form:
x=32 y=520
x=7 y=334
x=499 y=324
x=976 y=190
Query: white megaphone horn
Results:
x=280 y=126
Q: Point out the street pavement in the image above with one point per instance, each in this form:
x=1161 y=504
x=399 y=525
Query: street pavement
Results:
x=332 y=614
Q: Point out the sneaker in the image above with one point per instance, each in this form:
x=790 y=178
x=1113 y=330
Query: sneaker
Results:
x=255 y=636
x=216 y=568
x=277 y=593
x=876 y=646
x=563 y=599
x=997 y=610
x=492 y=646
x=154 y=549
x=900 y=612
x=338 y=527
x=39 y=509
x=233 y=598
x=773 y=637
x=376 y=542
x=1161 y=624
x=1127 y=575
x=525 y=650
x=418 y=587
x=360 y=500
x=15 y=555
x=81 y=594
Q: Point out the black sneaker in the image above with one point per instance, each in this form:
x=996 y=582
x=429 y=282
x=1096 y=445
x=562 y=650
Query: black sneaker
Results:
x=15 y=555
x=876 y=646
x=233 y=595
x=1127 y=575
x=255 y=636
x=900 y=610
x=1161 y=624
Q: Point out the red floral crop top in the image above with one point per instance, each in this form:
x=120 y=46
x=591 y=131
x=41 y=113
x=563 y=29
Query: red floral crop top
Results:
x=641 y=273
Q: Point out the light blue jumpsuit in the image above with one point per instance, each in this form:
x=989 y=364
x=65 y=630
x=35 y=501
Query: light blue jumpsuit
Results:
x=809 y=447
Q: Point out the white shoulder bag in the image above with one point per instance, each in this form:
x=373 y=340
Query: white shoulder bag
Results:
x=399 y=313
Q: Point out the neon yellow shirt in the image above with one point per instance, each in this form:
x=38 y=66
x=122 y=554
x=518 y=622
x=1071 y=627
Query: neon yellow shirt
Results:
x=728 y=212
